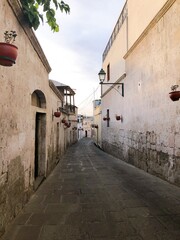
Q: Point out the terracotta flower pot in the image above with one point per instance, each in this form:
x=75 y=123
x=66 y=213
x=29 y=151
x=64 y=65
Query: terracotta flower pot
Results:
x=8 y=54
x=104 y=118
x=175 y=95
x=63 y=121
x=67 y=124
x=118 y=118
x=57 y=114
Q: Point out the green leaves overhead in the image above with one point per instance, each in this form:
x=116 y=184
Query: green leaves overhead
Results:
x=49 y=7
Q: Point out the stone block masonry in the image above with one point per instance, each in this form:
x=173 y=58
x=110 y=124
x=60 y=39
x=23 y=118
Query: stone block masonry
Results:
x=148 y=152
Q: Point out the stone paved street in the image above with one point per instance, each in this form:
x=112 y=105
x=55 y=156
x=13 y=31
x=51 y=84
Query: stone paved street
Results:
x=92 y=195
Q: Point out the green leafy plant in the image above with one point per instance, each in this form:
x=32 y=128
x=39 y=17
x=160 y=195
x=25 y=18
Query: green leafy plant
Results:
x=174 y=87
x=32 y=10
x=9 y=36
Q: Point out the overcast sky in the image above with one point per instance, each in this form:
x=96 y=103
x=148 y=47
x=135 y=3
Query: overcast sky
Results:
x=75 y=52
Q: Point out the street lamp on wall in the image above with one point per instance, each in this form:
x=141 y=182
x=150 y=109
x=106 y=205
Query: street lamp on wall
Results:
x=102 y=76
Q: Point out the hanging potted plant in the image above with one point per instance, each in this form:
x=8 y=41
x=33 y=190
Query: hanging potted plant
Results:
x=63 y=120
x=8 y=51
x=57 y=114
x=67 y=124
x=118 y=117
x=174 y=95
x=106 y=118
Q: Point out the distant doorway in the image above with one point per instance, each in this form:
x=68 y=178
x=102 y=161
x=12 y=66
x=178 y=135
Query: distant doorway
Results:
x=57 y=143
x=40 y=150
x=86 y=133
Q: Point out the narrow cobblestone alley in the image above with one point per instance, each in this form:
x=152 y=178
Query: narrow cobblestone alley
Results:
x=92 y=195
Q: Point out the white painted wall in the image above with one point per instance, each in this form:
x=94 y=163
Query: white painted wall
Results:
x=97 y=116
x=148 y=136
x=141 y=13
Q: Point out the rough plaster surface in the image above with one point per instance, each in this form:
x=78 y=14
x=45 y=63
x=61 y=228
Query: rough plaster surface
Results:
x=149 y=134
x=17 y=122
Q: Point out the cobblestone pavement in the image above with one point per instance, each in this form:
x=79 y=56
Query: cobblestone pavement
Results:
x=92 y=195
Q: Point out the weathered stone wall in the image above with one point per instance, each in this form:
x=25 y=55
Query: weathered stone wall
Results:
x=61 y=138
x=149 y=134
x=146 y=151
x=19 y=108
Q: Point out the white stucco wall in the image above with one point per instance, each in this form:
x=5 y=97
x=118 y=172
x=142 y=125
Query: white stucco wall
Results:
x=149 y=134
x=115 y=57
x=113 y=99
x=18 y=119
x=96 y=130
x=87 y=129
x=140 y=14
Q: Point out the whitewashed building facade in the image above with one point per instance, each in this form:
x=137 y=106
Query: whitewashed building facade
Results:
x=143 y=53
x=33 y=139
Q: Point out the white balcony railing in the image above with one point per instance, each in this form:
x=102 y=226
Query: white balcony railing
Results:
x=120 y=21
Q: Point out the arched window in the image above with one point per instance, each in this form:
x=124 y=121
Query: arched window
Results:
x=38 y=99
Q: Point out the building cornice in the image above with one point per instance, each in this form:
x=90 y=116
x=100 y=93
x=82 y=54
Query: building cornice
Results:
x=158 y=16
x=17 y=10
x=119 y=23
x=55 y=90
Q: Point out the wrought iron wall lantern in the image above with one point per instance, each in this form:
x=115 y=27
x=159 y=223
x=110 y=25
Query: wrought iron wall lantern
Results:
x=102 y=76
